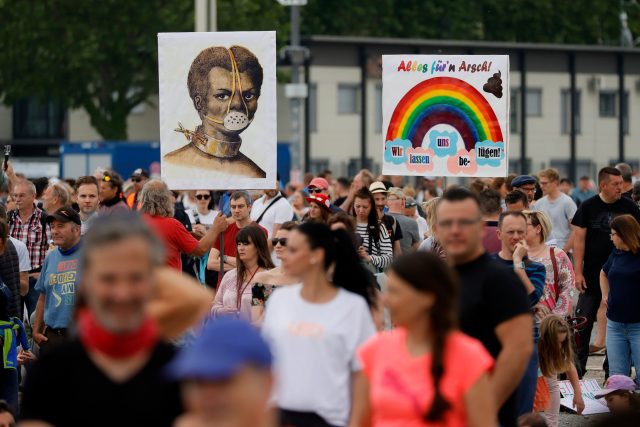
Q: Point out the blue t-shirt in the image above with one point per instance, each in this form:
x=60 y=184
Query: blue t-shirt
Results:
x=623 y=270
x=58 y=282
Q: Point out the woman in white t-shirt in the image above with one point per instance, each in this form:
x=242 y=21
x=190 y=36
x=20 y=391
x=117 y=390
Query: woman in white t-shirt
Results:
x=315 y=328
x=202 y=215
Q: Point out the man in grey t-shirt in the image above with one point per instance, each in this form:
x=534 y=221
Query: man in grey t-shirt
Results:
x=410 y=232
x=558 y=206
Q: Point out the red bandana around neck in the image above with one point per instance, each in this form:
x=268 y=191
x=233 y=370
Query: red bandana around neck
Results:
x=95 y=337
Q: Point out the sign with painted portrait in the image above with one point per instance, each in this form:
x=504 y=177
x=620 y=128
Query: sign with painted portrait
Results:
x=445 y=115
x=218 y=109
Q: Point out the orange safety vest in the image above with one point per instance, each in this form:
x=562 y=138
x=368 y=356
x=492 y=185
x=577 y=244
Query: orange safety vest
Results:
x=131 y=201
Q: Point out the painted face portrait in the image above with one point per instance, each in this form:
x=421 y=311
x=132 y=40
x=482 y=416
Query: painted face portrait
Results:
x=224 y=85
x=218 y=123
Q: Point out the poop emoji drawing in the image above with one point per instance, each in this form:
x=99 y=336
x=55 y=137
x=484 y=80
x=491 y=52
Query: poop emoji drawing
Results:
x=494 y=85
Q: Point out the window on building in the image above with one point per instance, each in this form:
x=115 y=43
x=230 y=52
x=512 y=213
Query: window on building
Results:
x=38 y=119
x=313 y=107
x=514 y=112
x=355 y=164
x=583 y=167
x=378 y=109
x=348 y=99
x=608 y=104
x=565 y=101
x=514 y=166
x=534 y=107
x=608 y=107
x=318 y=165
x=534 y=102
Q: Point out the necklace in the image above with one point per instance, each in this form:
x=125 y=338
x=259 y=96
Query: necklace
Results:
x=538 y=253
x=239 y=296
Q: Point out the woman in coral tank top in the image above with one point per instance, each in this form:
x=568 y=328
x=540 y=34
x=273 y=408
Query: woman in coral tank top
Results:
x=425 y=372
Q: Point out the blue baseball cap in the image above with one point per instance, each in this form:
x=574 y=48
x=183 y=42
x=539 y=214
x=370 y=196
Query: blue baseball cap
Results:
x=224 y=346
x=521 y=180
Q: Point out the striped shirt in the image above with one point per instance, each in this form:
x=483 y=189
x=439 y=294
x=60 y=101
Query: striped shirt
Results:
x=31 y=234
x=381 y=253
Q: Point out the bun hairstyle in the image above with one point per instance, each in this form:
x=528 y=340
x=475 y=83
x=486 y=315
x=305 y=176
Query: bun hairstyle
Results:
x=341 y=257
x=426 y=272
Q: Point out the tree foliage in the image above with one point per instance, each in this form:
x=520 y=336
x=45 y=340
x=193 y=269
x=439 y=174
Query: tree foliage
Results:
x=101 y=55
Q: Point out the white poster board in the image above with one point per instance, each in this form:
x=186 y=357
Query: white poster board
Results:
x=218 y=109
x=445 y=115
x=589 y=389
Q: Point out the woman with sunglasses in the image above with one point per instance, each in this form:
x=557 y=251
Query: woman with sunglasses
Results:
x=234 y=294
x=557 y=295
x=316 y=327
x=266 y=282
x=202 y=216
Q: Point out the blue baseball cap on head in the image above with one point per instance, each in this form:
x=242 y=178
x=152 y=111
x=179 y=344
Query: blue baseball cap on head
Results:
x=224 y=346
x=521 y=180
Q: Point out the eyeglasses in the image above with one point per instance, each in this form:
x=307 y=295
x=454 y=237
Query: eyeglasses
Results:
x=462 y=223
x=203 y=196
x=136 y=180
x=282 y=241
x=315 y=190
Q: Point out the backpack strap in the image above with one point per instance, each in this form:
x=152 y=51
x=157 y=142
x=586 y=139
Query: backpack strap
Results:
x=267 y=208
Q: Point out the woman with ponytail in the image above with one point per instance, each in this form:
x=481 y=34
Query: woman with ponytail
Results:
x=315 y=328
x=425 y=372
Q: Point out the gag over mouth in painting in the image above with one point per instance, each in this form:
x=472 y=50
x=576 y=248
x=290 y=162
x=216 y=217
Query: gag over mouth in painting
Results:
x=224 y=85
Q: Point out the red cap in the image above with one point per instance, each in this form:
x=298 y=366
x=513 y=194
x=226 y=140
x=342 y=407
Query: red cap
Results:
x=319 y=183
x=320 y=199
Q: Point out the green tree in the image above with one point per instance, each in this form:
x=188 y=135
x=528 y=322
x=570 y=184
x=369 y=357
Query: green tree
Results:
x=100 y=55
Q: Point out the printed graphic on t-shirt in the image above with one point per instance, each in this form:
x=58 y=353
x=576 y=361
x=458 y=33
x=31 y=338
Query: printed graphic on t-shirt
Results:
x=63 y=283
x=306 y=329
x=602 y=222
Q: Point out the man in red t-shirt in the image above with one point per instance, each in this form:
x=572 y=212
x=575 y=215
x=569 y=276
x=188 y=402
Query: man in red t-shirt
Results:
x=157 y=209
x=240 y=204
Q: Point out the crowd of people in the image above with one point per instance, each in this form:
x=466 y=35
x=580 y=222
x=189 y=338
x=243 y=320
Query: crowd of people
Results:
x=335 y=302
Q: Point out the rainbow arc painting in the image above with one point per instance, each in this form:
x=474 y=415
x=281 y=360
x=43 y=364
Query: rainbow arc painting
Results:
x=445 y=115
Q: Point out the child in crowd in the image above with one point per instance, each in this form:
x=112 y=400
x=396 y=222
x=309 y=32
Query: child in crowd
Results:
x=619 y=394
x=556 y=357
x=11 y=330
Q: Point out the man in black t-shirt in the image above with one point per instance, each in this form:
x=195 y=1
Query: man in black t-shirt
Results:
x=592 y=247
x=494 y=307
x=112 y=373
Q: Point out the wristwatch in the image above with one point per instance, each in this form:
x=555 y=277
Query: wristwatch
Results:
x=518 y=265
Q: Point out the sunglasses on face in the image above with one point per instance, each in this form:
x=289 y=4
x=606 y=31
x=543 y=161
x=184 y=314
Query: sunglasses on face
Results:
x=203 y=196
x=282 y=241
x=315 y=190
x=136 y=180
